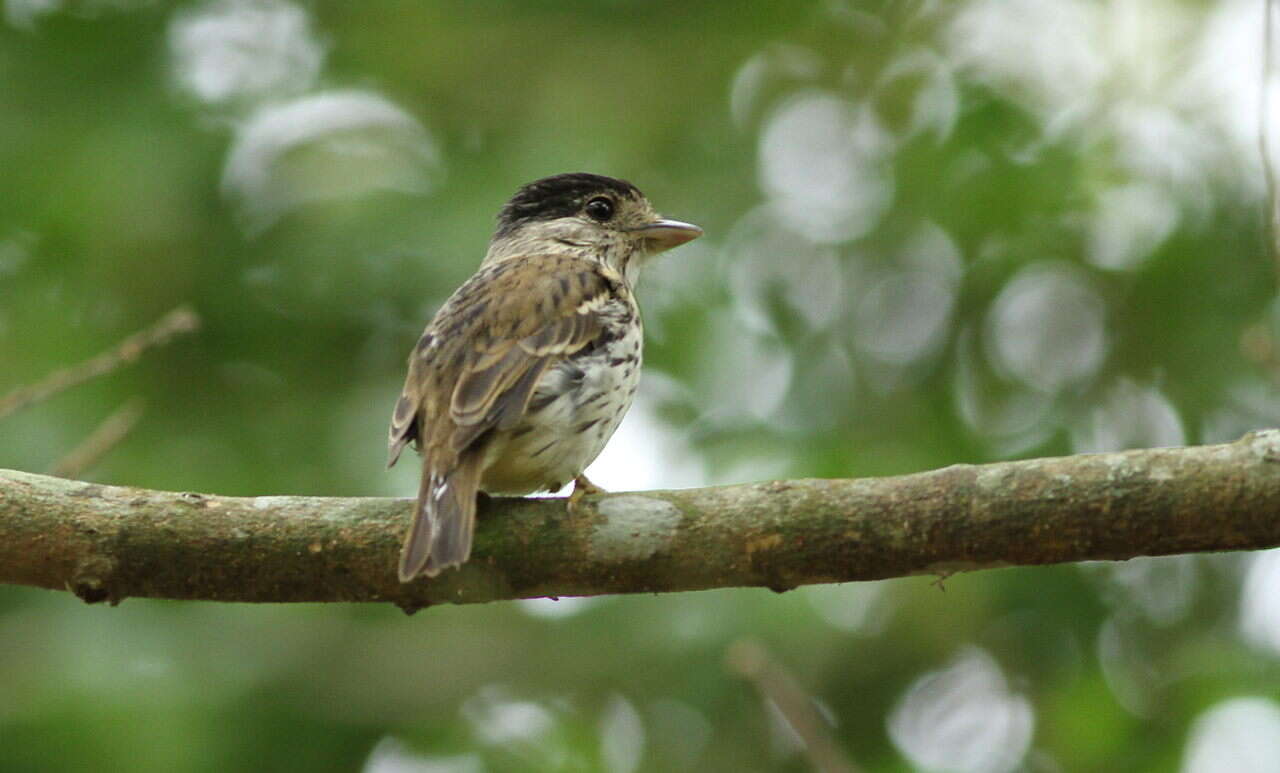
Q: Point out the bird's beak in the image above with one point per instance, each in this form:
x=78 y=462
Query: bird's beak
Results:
x=665 y=234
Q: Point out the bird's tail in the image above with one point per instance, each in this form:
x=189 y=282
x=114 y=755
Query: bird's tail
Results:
x=444 y=521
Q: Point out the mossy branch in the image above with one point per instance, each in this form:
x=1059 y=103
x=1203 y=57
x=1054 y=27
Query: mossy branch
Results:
x=107 y=543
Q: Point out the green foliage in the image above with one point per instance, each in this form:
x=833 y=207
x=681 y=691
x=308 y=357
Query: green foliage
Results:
x=936 y=233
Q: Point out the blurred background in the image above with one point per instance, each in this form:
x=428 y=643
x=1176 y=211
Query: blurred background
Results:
x=937 y=232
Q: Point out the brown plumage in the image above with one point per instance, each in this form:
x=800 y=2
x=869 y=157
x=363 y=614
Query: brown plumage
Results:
x=527 y=369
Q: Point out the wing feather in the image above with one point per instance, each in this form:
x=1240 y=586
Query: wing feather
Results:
x=490 y=344
x=477 y=389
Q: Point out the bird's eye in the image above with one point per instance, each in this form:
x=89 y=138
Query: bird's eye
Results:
x=599 y=209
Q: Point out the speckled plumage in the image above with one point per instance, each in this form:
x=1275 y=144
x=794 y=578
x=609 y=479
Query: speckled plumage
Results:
x=528 y=368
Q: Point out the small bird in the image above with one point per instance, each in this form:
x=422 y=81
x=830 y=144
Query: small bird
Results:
x=528 y=368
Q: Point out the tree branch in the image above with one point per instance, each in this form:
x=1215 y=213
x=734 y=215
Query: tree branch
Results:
x=777 y=686
x=180 y=321
x=107 y=436
x=106 y=543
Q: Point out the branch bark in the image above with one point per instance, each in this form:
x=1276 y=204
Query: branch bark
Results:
x=107 y=543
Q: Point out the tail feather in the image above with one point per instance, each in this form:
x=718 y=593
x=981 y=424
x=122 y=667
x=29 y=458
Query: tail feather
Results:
x=444 y=522
x=417 y=543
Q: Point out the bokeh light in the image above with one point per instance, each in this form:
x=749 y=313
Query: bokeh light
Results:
x=963 y=718
x=936 y=233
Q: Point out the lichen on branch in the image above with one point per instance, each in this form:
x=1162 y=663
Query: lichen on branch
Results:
x=108 y=543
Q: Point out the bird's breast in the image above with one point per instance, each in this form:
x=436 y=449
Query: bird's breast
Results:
x=574 y=410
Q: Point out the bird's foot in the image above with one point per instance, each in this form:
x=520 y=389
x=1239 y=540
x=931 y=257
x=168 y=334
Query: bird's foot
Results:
x=582 y=488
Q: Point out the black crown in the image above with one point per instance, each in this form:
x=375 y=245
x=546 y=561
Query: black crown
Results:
x=558 y=196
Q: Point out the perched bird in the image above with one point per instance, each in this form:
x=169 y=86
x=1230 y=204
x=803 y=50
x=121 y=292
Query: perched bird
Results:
x=527 y=369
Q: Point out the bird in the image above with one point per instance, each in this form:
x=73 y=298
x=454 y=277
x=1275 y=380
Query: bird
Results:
x=527 y=369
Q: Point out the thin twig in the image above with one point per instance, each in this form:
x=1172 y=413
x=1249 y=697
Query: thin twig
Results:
x=177 y=322
x=1264 y=136
x=107 y=436
x=751 y=660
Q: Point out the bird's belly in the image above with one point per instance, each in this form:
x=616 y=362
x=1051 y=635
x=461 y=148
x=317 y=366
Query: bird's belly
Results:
x=568 y=422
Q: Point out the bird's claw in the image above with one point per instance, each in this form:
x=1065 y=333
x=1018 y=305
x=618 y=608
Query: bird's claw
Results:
x=582 y=488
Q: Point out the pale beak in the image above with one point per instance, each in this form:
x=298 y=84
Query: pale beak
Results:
x=665 y=234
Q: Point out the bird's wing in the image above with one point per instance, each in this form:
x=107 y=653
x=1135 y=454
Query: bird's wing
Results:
x=476 y=365
x=475 y=369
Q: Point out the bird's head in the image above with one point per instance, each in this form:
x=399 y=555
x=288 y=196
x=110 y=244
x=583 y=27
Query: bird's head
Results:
x=590 y=216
